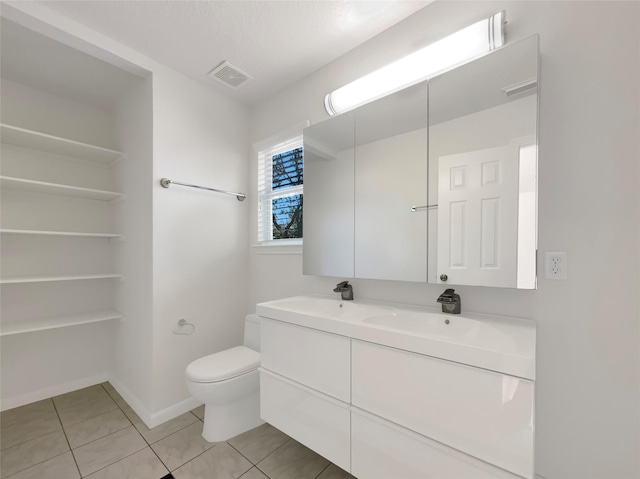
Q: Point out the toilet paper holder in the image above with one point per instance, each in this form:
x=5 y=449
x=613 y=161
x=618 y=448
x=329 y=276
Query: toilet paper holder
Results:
x=184 y=327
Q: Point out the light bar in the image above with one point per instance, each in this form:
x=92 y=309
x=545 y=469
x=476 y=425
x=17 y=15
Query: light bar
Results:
x=451 y=51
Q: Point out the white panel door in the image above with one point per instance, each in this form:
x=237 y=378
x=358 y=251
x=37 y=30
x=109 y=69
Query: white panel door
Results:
x=478 y=217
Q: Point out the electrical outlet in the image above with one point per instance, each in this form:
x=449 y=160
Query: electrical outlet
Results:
x=555 y=265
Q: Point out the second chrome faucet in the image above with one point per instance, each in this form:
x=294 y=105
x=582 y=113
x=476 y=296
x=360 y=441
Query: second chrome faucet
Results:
x=345 y=290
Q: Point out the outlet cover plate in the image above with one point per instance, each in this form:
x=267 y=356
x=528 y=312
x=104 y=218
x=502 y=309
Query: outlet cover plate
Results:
x=555 y=265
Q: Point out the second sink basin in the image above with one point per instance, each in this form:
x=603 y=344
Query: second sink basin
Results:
x=424 y=323
x=444 y=327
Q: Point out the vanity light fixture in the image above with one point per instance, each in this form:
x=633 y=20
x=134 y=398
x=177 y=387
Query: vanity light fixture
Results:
x=451 y=51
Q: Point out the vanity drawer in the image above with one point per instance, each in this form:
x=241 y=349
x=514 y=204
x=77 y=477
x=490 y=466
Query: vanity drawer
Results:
x=318 y=421
x=314 y=358
x=383 y=450
x=482 y=413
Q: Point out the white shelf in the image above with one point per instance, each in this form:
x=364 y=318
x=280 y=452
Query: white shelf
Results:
x=56 y=189
x=14 y=135
x=58 y=322
x=46 y=279
x=59 y=233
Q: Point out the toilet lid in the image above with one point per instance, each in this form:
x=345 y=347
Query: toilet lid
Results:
x=223 y=365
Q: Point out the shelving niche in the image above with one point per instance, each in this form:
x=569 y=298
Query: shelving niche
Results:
x=55 y=232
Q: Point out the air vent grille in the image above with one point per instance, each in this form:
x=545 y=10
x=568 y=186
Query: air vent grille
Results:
x=230 y=75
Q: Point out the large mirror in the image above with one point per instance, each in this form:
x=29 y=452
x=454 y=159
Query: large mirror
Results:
x=390 y=179
x=482 y=170
x=436 y=182
x=328 y=214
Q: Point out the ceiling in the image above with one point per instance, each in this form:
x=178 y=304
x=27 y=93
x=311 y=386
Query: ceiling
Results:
x=276 y=42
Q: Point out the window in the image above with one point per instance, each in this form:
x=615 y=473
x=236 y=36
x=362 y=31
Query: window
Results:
x=280 y=198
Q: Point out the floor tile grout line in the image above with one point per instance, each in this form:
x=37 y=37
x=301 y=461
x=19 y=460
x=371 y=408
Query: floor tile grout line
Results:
x=277 y=448
x=115 y=462
x=327 y=467
x=240 y=452
x=194 y=458
x=268 y=477
x=36 y=437
x=119 y=407
x=122 y=410
x=95 y=417
x=55 y=408
x=107 y=435
x=247 y=472
x=176 y=432
x=160 y=459
x=36 y=464
x=92 y=417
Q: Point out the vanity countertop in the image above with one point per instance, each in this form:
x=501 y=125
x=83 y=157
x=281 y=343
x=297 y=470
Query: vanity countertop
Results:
x=497 y=343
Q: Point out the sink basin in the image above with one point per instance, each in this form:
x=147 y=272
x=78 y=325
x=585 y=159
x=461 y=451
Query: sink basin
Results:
x=505 y=345
x=330 y=308
x=444 y=327
x=426 y=323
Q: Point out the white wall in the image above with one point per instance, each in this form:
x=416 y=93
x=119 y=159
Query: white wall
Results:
x=132 y=371
x=41 y=111
x=587 y=400
x=200 y=238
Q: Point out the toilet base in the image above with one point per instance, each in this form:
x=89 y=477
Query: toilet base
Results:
x=229 y=420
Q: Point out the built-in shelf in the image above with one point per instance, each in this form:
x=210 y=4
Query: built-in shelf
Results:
x=46 y=279
x=59 y=233
x=56 y=189
x=14 y=135
x=18 y=327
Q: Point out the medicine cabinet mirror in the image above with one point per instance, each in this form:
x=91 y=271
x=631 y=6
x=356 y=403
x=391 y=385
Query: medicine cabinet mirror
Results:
x=435 y=183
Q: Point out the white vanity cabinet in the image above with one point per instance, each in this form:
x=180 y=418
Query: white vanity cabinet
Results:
x=481 y=413
x=380 y=411
x=381 y=449
x=305 y=385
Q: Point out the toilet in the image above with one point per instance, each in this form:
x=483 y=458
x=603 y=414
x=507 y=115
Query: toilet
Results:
x=228 y=383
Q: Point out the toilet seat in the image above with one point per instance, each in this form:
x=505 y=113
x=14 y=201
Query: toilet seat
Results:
x=223 y=365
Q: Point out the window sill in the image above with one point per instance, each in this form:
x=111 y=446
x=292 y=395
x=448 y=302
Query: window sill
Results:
x=278 y=248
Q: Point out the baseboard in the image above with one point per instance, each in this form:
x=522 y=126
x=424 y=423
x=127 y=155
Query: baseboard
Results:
x=173 y=411
x=46 y=393
x=132 y=400
x=150 y=419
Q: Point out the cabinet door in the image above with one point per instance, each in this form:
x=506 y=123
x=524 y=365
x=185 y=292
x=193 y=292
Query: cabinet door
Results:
x=383 y=450
x=311 y=418
x=482 y=413
x=314 y=358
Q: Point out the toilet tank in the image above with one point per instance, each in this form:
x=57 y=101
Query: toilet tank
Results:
x=252 y=332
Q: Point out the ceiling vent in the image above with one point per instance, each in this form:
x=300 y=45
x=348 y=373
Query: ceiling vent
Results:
x=230 y=75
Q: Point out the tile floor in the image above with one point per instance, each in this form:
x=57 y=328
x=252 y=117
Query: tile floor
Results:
x=94 y=433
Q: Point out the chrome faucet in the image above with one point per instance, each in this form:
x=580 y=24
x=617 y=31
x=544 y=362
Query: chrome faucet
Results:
x=450 y=302
x=345 y=290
